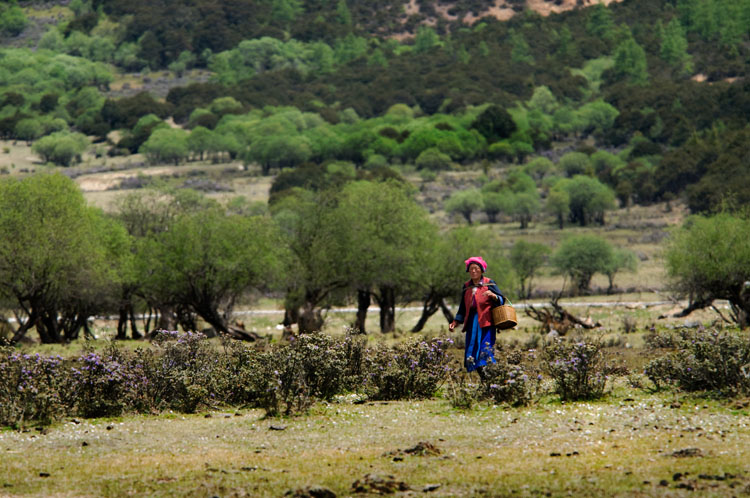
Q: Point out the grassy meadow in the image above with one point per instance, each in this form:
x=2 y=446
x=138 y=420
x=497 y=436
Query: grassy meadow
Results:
x=630 y=444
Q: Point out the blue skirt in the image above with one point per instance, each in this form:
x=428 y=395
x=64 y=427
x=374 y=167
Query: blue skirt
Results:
x=480 y=344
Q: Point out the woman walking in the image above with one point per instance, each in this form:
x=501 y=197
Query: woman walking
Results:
x=480 y=294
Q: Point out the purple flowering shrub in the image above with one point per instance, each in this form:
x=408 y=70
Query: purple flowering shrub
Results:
x=313 y=366
x=106 y=384
x=656 y=340
x=579 y=369
x=32 y=388
x=512 y=378
x=411 y=370
x=705 y=361
x=184 y=372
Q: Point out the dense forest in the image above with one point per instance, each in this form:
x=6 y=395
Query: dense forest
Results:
x=651 y=95
x=647 y=98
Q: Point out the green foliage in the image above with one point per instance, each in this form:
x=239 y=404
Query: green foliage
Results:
x=575 y=163
x=539 y=167
x=426 y=39
x=524 y=206
x=43 y=69
x=578 y=369
x=166 y=145
x=464 y=202
x=674 y=47
x=12 y=19
x=707 y=259
x=494 y=123
x=622 y=260
x=494 y=203
x=527 y=258
x=630 y=62
x=558 y=203
x=62 y=148
x=434 y=160
x=264 y=54
x=58 y=256
x=206 y=260
x=29 y=129
x=385 y=232
x=589 y=199
x=600 y=22
x=707 y=360
x=580 y=257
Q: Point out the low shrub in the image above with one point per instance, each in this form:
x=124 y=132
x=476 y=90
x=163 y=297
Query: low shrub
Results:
x=313 y=366
x=411 y=370
x=32 y=388
x=184 y=373
x=512 y=379
x=106 y=385
x=669 y=339
x=705 y=361
x=579 y=369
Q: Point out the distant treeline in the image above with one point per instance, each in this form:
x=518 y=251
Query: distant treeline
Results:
x=660 y=84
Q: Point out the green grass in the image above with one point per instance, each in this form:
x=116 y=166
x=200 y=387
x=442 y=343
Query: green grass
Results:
x=619 y=447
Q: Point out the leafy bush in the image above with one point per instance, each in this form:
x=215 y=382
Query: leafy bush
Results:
x=510 y=379
x=707 y=361
x=186 y=373
x=407 y=371
x=313 y=366
x=105 y=385
x=579 y=369
x=32 y=387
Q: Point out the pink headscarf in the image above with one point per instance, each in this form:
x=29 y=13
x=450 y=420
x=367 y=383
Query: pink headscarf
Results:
x=478 y=260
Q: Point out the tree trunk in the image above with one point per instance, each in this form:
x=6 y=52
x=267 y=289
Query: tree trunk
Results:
x=134 y=333
x=446 y=311
x=310 y=320
x=387 y=304
x=429 y=308
x=363 y=303
x=122 y=324
x=167 y=319
x=23 y=328
x=47 y=329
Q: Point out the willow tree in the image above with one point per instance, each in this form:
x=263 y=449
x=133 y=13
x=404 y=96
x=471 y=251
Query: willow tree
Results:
x=58 y=256
x=709 y=259
x=386 y=234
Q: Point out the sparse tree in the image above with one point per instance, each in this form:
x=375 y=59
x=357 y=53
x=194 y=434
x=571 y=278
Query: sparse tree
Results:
x=527 y=258
x=464 y=202
x=580 y=257
x=709 y=259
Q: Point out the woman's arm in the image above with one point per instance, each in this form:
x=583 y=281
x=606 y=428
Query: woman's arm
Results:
x=494 y=292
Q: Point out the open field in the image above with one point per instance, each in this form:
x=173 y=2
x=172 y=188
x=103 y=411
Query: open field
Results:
x=631 y=444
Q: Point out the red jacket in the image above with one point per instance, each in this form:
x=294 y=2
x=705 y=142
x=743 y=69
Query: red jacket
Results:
x=484 y=303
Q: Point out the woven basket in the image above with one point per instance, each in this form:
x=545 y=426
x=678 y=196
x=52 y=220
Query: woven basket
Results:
x=504 y=317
